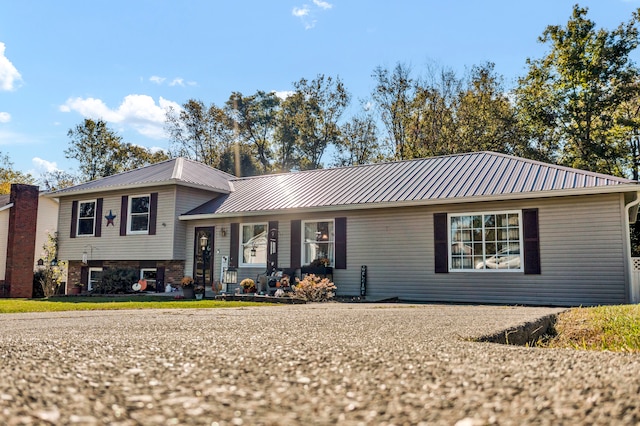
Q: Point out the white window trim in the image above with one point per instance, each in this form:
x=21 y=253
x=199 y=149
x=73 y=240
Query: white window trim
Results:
x=92 y=269
x=143 y=270
x=130 y=214
x=93 y=229
x=332 y=240
x=487 y=270
x=241 y=246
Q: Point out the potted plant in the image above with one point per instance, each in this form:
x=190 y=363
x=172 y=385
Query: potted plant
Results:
x=248 y=285
x=188 y=288
x=199 y=291
x=318 y=266
x=76 y=289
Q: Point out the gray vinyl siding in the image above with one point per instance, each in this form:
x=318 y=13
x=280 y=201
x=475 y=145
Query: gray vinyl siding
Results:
x=186 y=199
x=582 y=252
x=112 y=246
x=581 y=249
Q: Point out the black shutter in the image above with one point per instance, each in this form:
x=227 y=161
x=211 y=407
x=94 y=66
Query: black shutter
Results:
x=153 y=213
x=98 y=225
x=160 y=279
x=124 y=206
x=441 y=243
x=235 y=245
x=74 y=219
x=296 y=240
x=341 y=242
x=272 y=246
x=531 y=241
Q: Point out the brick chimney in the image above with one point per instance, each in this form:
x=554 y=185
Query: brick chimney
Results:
x=21 y=243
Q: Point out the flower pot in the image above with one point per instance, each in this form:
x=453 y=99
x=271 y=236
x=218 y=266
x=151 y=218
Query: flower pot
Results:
x=75 y=290
x=188 y=293
x=199 y=296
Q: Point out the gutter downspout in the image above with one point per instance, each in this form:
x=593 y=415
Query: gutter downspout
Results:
x=634 y=287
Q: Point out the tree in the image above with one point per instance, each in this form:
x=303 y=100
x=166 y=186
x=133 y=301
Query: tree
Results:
x=238 y=160
x=255 y=118
x=57 y=179
x=392 y=95
x=486 y=120
x=53 y=272
x=569 y=97
x=9 y=175
x=358 y=143
x=93 y=145
x=320 y=103
x=286 y=153
x=100 y=152
x=199 y=132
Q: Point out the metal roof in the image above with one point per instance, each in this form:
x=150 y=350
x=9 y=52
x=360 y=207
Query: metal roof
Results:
x=177 y=171
x=455 y=178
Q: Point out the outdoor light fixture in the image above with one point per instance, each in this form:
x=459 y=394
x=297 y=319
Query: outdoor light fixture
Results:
x=231 y=276
x=203 y=241
x=223 y=231
x=84 y=257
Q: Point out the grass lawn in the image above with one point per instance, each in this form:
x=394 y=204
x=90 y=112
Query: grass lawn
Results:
x=54 y=304
x=603 y=328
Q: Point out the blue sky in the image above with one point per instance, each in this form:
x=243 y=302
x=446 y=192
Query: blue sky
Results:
x=125 y=61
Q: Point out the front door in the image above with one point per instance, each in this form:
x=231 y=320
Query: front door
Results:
x=203 y=256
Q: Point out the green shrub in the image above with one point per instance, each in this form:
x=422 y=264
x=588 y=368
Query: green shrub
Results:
x=116 y=280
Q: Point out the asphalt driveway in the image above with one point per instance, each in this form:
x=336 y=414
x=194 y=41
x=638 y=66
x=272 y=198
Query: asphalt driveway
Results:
x=303 y=364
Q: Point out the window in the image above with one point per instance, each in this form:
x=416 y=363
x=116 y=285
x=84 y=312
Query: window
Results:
x=139 y=214
x=86 y=217
x=149 y=274
x=485 y=241
x=253 y=245
x=95 y=276
x=318 y=242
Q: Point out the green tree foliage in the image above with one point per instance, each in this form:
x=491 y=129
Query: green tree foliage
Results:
x=57 y=179
x=93 y=145
x=53 y=272
x=238 y=160
x=393 y=96
x=569 y=98
x=318 y=107
x=199 y=132
x=444 y=114
x=358 y=142
x=255 y=118
x=9 y=175
x=101 y=152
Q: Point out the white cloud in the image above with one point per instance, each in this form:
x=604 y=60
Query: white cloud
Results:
x=139 y=112
x=307 y=13
x=177 y=81
x=10 y=78
x=44 y=165
x=157 y=80
x=5 y=117
x=300 y=11
x=283 y=94
x=322 y=4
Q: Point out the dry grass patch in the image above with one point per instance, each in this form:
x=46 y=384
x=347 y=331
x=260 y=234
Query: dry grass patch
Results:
x=603 y=328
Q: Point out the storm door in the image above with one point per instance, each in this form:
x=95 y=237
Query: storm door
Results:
x=203 y=255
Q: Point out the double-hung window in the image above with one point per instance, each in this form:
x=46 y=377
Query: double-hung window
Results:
x=253 y=246
x=318 y=242
x=86 y=217
x=138 y=219
x=485 y=241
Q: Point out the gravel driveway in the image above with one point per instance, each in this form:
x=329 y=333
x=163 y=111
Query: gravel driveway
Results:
x=303 y=364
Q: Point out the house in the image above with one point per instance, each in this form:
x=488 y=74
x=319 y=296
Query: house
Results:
x=27 y=218
x=479 y=227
